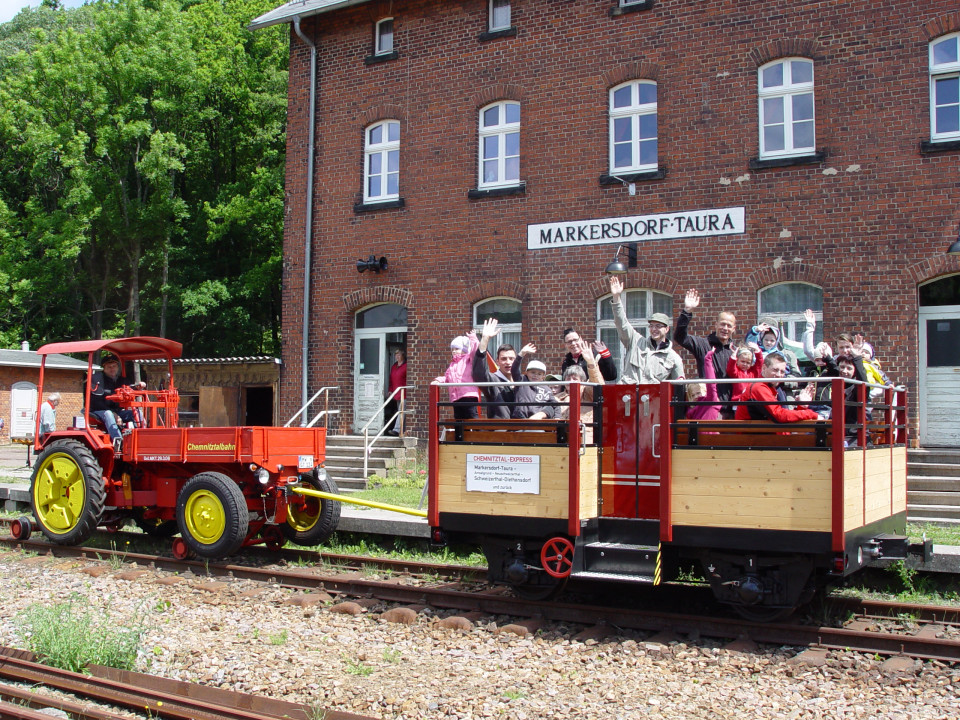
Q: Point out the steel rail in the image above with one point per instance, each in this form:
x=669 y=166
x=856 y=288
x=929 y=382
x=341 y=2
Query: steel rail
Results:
x=29 y=699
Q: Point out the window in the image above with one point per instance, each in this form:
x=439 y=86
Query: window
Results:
x=945 y=88
x=500 y=145
x=384 y=37
x=499 y=15
x=633 y=127
x=382 y=181
x=639 y=305
x=507 y=313
x=787 y=303
x=786 y=108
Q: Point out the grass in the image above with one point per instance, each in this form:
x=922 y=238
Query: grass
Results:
x=72 y=635
x=402 y=485
x=400 y=548
x=939 y=534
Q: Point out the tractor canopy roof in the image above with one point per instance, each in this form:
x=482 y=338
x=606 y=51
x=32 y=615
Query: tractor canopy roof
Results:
x=131 y=348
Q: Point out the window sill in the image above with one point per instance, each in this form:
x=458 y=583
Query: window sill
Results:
x=494 y=34
x=812 y=159
x=374 y=206
x=497 y=192
x=619 y=9
x=633 y=177
x=385 y=57
x=929 y=147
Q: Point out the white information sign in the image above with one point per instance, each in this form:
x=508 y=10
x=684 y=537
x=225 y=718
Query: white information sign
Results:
x=503 y=473
x=637 y=228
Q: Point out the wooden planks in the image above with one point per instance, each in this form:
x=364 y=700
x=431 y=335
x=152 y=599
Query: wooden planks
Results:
x=748 y=489
x=874 y=485
x=551 y=502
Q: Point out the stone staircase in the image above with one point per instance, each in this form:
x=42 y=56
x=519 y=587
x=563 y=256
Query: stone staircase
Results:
x=345 y=458
x=933 y=485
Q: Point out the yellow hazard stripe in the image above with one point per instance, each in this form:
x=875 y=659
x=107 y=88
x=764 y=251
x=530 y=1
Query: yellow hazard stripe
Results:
x=656 y=571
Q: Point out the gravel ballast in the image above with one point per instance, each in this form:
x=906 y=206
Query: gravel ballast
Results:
x=271 y=641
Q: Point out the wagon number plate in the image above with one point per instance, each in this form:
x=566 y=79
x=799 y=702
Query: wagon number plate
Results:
x=305 y=462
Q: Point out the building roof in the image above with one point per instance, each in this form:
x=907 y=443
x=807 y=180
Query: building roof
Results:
x=304 y=8
x=29 y=358
x=249 y=359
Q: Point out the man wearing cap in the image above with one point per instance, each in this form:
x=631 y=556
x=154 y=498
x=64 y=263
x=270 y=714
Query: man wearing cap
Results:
x=645 y=360
x=104 y=383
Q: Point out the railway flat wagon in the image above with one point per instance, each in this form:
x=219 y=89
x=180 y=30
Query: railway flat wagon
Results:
x=220 y=488
x=629 y=491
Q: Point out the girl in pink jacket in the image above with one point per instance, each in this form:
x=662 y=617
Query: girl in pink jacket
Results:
x=466 y=399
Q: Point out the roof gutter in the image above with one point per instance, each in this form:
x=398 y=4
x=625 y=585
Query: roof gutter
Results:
x=308 y=230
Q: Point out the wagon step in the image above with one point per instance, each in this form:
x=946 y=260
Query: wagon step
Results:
x=621 y=559
x=614 y=577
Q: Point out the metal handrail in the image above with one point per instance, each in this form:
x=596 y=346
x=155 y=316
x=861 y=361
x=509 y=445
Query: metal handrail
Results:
x=367 y=443
x=309 y=402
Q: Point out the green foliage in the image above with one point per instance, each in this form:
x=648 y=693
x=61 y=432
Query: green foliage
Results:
x=72 y=635
x=141 y=173
x=357 y=667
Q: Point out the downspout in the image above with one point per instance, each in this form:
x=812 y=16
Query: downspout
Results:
x=308 y=233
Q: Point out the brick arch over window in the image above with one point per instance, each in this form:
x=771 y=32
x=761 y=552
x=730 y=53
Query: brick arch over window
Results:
x=496 y=288
x=941 y=25
x=640 y=70
x=788 y=272
x=380 y=294
x=638 y=278
x=500 y=91
x=788 y=47
x=933 y=267
x=382 y=112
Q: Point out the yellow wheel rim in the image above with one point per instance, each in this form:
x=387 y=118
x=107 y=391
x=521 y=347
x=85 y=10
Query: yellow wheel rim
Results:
x=205 y=518
x=303 y=517
x=59 y=493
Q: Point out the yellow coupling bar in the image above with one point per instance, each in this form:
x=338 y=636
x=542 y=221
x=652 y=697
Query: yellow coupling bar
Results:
x=356 y=501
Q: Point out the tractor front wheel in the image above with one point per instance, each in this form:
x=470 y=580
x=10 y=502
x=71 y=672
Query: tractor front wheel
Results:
x=212 y=515
x=66 y=492
x=310 y=520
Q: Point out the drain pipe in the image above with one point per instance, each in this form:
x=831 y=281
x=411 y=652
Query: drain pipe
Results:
x=308 y=234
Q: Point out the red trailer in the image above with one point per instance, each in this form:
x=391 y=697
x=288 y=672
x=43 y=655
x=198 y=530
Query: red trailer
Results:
x=221 y=488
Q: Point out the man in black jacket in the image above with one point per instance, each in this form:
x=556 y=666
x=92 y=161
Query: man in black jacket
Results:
x=495 y=396
x=721 y=339
x=571 y=338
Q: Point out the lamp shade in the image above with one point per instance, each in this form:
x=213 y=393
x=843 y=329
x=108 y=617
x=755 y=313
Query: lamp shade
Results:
x=954 y=248
x=616 y=268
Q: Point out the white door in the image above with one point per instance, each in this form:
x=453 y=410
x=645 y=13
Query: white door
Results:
x=940 y=375
x=370 y=350
x=23 y=409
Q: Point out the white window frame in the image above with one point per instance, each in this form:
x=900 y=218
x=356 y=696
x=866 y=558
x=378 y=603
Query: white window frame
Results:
x=634 y=112
x=941 y=71
x=501 y=6
x=607 y=328
x=380 y=35
x=789 y=91
x=382 y=149
x=795 y=322
x=501 y=130
x=628 y=3
x=513 y=330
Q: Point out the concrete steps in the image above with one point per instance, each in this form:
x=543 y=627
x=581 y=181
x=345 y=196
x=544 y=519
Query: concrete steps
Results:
x=344 y=461
x=933 y=485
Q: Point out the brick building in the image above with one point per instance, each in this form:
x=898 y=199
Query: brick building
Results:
x=774 y=155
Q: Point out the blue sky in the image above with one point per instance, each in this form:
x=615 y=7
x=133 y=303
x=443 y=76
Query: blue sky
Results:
x=9 y=8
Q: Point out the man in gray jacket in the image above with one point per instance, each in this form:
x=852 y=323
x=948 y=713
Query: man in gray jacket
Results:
x=645 y=360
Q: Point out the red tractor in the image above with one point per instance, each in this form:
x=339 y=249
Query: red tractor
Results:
x=220 y=488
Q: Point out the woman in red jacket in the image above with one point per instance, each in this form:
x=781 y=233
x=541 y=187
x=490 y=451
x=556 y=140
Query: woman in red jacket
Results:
x=398 y=378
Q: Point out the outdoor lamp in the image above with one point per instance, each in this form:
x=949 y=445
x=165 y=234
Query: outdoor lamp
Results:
x=371 y=263
x=616 y=267
x=954 y=249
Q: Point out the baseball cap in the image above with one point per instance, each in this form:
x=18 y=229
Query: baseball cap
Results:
x=109 y=359
x=553 y=378
x=661 y=318
x=536 y=365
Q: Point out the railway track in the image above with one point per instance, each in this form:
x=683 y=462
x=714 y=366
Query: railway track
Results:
x=931 y=634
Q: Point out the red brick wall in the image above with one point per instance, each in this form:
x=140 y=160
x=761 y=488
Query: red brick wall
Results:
x=65 y=382
x=867 y=224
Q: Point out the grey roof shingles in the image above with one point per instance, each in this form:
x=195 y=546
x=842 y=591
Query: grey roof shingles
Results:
x=28 y=358
x=304 y=8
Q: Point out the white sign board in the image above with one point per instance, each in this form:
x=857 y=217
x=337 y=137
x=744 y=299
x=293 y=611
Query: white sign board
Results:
x=23 y=408
x=503 y=473
x=637 y=228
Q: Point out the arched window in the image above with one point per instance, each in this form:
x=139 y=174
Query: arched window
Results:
x=786 y=108
x=633 y=127
x=787 y=303
x=639 y=304
x=500 y=145
x=499 y=15
x=945 y=88
x=382 y=171
x=507 y=313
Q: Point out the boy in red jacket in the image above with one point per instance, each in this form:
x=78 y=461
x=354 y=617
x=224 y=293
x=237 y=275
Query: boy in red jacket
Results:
x=775 y=368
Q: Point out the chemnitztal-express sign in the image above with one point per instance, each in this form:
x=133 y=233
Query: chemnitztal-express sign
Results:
x=666 y=226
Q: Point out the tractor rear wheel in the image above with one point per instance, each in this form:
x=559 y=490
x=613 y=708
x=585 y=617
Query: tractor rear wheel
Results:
x=310 y=520
x=66 y=492
x=212 y=515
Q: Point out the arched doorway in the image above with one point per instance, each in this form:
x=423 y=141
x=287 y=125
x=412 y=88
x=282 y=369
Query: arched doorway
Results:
x=378 y=331
x=939 y=376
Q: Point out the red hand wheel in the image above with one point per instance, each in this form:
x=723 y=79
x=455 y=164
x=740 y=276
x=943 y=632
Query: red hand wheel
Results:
x=556 y=556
